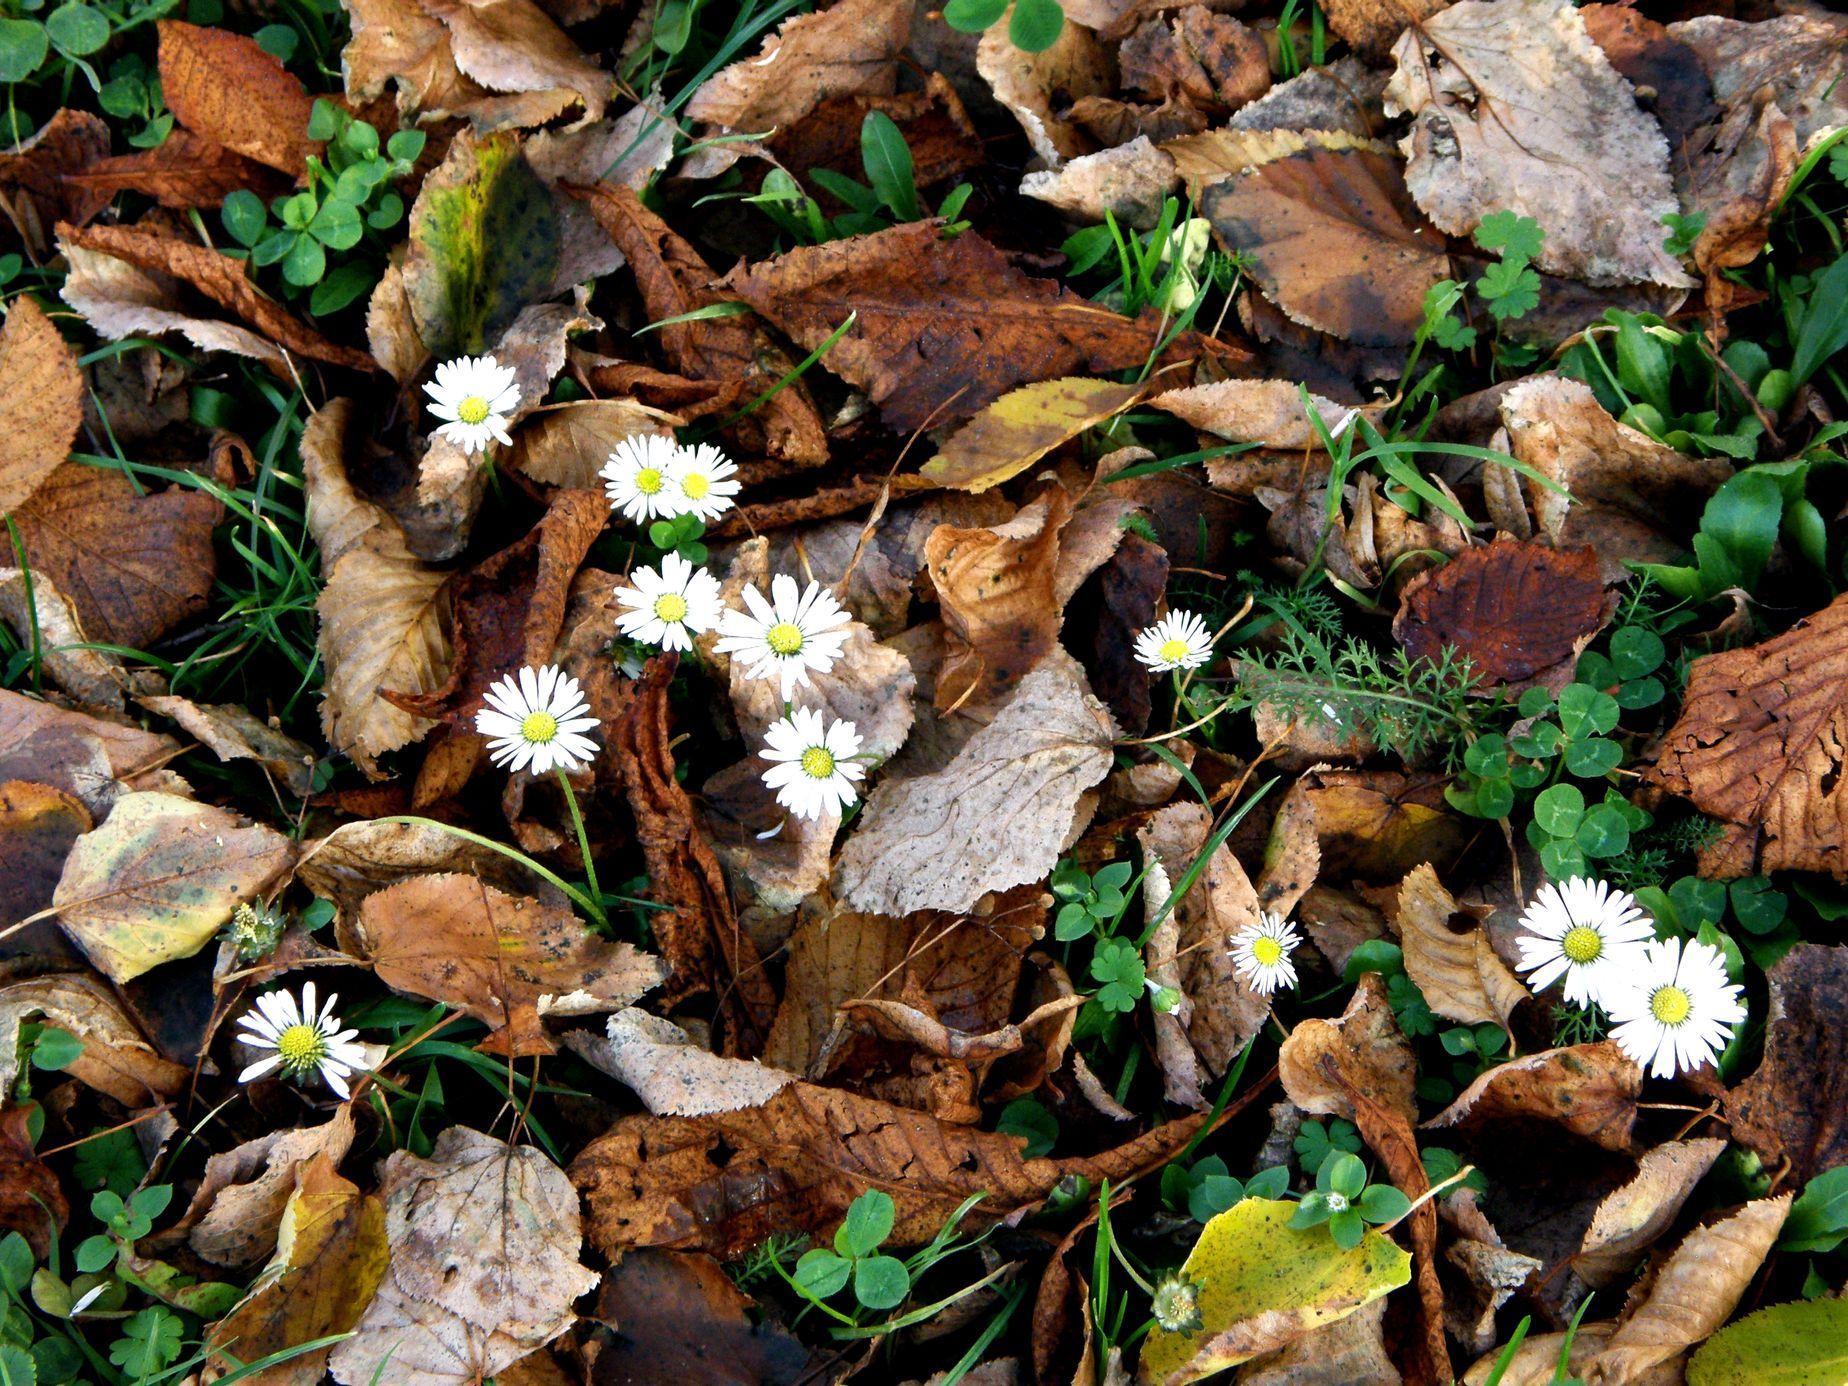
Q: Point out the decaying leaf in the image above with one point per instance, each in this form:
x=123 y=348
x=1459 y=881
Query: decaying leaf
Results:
x=1630 y=1221
x=1130 y=182
x=35 y=175
x=1590 y=1089
x=235 y=1214
x=184 y=170
x=232 y=732
x=941 y=328
x=38 y=370
x=32 y=1201
x=39 y=823
x=504 y=959
x=86 y=757
x=225 y=87
x=670 y=1073
x=1021 y=427
x=330 y=1256
x=1449 y=956
x=484 y=1245
x=1334 y=240
x=996 y=815
x=679 y=1317
x=1521 y=611
x=1762 y=740
x=1795 y=1106
x=724 y=1181
x=93 y=677
x=1516 y=109
x=159 y=878
x=567 y=445
x=1254 y=411
x=1371 y=26
x=1347 y=1352
x=1322 y=1062
x=116 y=1059
x=513 y=46
x=1265 y=1284
x=1692 y=1295
x=1075 y=67
x=1378 y=825
x=849 y=49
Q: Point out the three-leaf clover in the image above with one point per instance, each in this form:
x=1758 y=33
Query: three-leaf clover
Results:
x=1344 y=1200
x=879 y=1282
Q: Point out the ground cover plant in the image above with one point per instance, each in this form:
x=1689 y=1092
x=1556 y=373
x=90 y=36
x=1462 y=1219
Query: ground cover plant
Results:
x=799 y=690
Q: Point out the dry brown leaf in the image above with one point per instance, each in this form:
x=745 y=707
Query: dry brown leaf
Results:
x=34 y=175
x=1590 y=1089
x=159 y=877
x=849 y=49
x=116 y=1059
x=118 y=300
x=95 y=678
x=1196 y=57
x=232 y=732
x=1762 y=740
x=513 y=46
x=484 y=1264
x=506 y=960
x=673 y=281
x=1631 y=1220
x=133 y=563
x=996 y=816
x=1627 y=495
x=32 y=1202
x=330 y=1256
x=678 y=1316
x=1215 y=155
x=1449 y=956
x=1692 y=1295
x=1074 y=68
x=86 y=757
x=995 y=587
x=1516 y=109
x=1347 y=1352
x=1130 y=182
x=833 y=956
x=1255 y=411
x=1521 y=611
x=358 y=858
x=1795 y=1106
x=38 y=370
x=38 y=826
x=226 y=87
x=1536 y=1363
x=672 y=1075
x=121 y=306
x=804 y=1156
x=184 y=170
x=1364 y=1048
x=1372 y=26
x=567 y=445
x=1377 y=825
x=1799 y=56
x=941 y=328
x=1333 y=239
x=233 y=1218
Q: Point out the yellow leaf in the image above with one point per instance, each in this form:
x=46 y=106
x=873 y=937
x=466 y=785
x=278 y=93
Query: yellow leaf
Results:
x=1021 y=427
x=1265 y=1284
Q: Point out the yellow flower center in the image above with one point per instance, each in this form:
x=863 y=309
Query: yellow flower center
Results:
x=1582 y=944
x=649 y=481
x=539 y=728
x=818 y=762
x=1267 y=951
x=301 y=1047
x=472 y=410
x=671 y=607
x=784 y=638
x=1670 y=1005
x=695 y=485
x=1172 y=650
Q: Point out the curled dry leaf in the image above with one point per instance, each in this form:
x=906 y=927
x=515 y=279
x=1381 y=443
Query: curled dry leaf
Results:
x=1762 y=740
x=86 y=757
x=1631 y=1220
x=38 y=370
x=1449 y=956
x=36 y=175
x=45 y=616
x=1494 y=1275
x=1254 y=411
x=1521 y=611
x=1692 y=1295
x=1795 y=1106
x=505 y=960
x=1347 y=1352
x=159 y=878
x=849 y=49
x=232 y=732
x=1536 y=1362
x=566 y=446
x=225 y=87
x=1516 y=109
x=737 y=350
x=1129 y=182
x=1323 y=1062
x=484 y=1264
x=331 y=1254
x=356 y=859
x=1074 y=68
x=996 y=589
x=804 y=1156
x=1196 y=58
x=234 y=1216
x=183 y=171
x=1590 y=1089
x=513 y=46
x=1334 y=240
x=116 y=1060
x=997 y=815
x=670 y=1073
x=133 y=563
x=941 y=328
x=1021 y=427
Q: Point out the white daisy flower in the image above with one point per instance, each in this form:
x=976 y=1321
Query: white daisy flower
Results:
x=786 y=636
x=703 y=479
x=1261 y=953
x=814 y=769
x=303 y=1040
x=1179 y=640
x=1678 y=1009
x=475 y=395
x=638 y=478
x=537 y=722
x=1585 y=932
x=668 y=608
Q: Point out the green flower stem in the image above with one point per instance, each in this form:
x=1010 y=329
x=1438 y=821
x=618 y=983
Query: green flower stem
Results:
x=590 y=867
x=594 y=908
